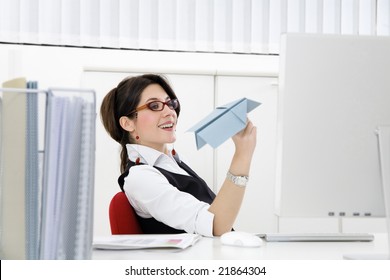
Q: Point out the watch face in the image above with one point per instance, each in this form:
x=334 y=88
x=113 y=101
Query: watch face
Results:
x=238 y=180
x=241 y=181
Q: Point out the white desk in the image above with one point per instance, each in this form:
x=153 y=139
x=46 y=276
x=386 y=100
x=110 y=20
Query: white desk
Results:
x=212 y=249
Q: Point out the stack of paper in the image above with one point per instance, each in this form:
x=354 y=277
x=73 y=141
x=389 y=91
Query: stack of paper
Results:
x=145 y=241
x=68 y=178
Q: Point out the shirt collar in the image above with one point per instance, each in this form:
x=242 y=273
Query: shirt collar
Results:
x=148 y=155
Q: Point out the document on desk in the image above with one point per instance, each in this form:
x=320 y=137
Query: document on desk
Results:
x=145 y=241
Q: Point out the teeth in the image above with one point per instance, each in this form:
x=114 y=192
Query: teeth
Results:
x=167 y=125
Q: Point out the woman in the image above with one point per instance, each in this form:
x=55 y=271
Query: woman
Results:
x=141 y=114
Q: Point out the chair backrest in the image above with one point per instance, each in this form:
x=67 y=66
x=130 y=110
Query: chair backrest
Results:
x=123 y=219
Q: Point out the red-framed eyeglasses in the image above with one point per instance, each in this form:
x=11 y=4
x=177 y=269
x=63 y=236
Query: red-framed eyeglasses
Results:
x=158 y=105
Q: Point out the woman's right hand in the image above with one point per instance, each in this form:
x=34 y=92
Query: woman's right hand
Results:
x=245 y=140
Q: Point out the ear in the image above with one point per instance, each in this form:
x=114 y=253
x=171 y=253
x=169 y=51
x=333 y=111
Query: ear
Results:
x=127 y=124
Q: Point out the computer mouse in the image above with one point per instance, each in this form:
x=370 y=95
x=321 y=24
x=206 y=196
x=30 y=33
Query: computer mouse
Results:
x=240 y=238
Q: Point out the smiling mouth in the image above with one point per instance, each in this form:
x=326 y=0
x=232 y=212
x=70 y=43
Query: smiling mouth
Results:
x=165 y=126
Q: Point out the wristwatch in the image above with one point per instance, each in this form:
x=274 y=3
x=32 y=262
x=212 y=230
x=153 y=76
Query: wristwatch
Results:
x=237 y=180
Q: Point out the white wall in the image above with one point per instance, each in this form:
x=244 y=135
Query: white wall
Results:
x=201 y=81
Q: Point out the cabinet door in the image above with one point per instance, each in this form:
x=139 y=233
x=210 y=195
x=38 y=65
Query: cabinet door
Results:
x=196 y=96
x=257 y=211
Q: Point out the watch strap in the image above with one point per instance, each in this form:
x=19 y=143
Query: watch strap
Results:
x=237 y=180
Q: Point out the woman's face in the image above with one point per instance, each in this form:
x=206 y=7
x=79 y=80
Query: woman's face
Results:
x=155 y=128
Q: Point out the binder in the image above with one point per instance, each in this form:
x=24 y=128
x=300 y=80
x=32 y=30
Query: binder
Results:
x=13 y=227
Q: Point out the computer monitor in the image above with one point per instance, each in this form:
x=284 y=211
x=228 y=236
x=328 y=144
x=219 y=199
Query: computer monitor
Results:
x=334 y=93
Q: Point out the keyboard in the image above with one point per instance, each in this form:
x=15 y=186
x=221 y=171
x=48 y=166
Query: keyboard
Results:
x=316 y=237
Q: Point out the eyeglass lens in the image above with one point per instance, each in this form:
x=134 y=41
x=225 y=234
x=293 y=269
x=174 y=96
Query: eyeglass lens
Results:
x=159 y=105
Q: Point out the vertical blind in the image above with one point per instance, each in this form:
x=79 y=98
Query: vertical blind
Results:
x=228 y=26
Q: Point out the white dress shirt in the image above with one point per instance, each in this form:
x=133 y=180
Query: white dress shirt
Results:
x=151 y=194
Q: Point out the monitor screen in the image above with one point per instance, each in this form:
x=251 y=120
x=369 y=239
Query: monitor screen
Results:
x=334 y=91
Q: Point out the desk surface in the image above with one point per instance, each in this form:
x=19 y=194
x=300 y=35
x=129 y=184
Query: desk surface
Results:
x=211 y=248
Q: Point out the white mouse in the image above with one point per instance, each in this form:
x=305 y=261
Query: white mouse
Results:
x=240 y=238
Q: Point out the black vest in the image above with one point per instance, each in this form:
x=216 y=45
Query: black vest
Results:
x=192 y=184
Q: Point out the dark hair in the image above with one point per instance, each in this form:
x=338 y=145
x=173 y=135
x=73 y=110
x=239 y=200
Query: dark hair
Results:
x=123 y=100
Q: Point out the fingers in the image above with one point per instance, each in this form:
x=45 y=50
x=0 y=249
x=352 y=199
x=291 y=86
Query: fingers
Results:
x=249 y=128
x=248 y=131
x=253 y=130
x=245 y=140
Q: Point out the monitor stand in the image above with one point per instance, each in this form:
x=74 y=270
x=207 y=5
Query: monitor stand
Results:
x=383 y=133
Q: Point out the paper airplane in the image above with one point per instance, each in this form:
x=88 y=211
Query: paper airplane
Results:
x=224 y=122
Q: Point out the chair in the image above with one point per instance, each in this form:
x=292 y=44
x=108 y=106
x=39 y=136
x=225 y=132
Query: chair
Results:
x=123 y=219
